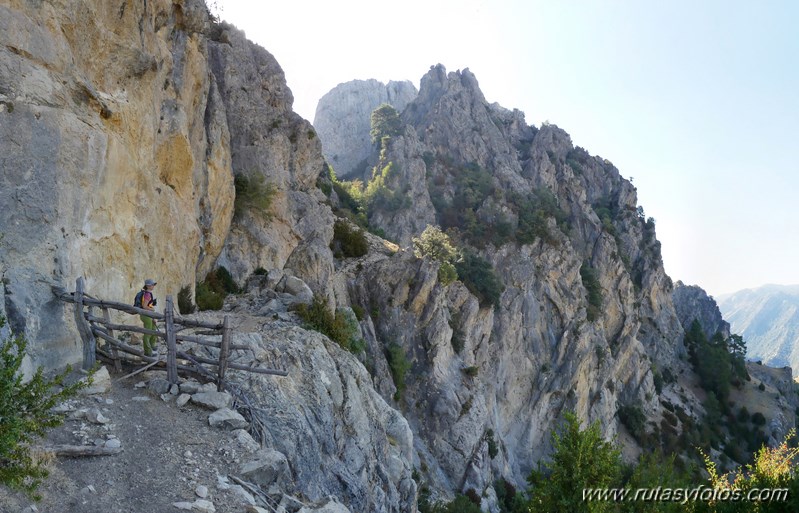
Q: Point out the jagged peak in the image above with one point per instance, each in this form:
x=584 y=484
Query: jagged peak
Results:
x=437 y=82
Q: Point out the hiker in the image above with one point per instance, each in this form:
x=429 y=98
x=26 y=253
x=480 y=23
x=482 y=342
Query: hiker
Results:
x=146 y=300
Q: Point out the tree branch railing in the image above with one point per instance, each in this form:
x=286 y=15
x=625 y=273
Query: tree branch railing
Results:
x=91 y=327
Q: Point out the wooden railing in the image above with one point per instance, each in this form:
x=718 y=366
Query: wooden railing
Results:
x=91 y=327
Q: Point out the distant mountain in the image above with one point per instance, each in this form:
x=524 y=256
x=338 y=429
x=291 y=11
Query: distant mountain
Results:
x=768 y=318
x=343 y=121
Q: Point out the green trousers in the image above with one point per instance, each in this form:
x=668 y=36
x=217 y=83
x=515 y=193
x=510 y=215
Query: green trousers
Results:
x=149 y=341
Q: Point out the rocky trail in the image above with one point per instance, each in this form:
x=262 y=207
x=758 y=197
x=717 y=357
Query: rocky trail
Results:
x=171 y=458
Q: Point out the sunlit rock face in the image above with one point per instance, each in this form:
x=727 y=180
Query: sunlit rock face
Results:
x=116 y=156
x=343 y=117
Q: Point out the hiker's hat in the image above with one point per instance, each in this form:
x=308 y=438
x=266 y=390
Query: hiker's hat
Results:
x=149 y=282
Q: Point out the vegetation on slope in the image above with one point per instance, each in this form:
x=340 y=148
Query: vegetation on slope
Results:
x=26 y=414
x=583 y=460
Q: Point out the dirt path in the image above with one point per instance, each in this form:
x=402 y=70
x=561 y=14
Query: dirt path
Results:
x=168 y=451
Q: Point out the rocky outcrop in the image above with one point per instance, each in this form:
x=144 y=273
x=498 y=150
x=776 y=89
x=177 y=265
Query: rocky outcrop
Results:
x=338 y=434
x=115 y=152
x=691 y=303
x=268 y=139
x=486 y=385
x=122 y=131
x=343 y=121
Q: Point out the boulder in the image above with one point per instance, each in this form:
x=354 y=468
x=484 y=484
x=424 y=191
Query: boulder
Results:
x=299 y=289
x=96 y=417
x=159 y=386
x=203 y=506
x=189 y=387
x=269 y=467
x=225 y=418
x=101 y=383
x=213 y=400
x=245 y=440
x=114 y=443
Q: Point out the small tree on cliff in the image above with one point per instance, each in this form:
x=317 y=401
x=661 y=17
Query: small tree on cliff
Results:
x=25 y=414
x=385 y=123
x=581 y=459
x=436 y=244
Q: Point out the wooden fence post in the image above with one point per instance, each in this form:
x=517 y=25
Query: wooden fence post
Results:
x=114 y=351
x=224 y=352
x=171 y=342
x=86 y=335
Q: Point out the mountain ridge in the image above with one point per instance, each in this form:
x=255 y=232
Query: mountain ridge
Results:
x=768 y=316
x=144 y=163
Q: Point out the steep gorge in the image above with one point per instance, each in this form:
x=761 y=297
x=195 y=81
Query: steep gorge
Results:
x=122 y=132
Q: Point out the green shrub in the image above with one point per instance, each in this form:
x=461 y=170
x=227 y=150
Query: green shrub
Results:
x=208 y=299
x=260 y=271
x=493 y=450
x=337 y=326
x=471 y=371
x=479 y=277
x=399 y=365
x=508 y=499
x=472 y=186
x=594 y=290
x=447 y=273
x=254 y=195
x=457 y=339
x=634 y=420
x=581 y=459
x=222 y=280
x=460 y=504
x=26 y=414
x=385 y=122
x=657 y=379
x=758 y=419
x=534 y=212
x=743 y=415
x=379 y=196
x=472 y=495
x=212 y=291
x=437 y=245
x=359 y=313
x=185 y=305
x=347 y=241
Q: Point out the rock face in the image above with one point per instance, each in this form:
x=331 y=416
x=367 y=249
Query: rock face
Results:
x=343 y=120
x=115 y=152
x=121 y=132
x=268 y=139
x=537 y=353
x=692 y=302
x=338 y=436
x=768 y=318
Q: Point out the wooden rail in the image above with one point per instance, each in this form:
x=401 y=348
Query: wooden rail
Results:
x=91 y=327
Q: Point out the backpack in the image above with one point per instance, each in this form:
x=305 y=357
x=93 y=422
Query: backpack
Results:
x=138 y=299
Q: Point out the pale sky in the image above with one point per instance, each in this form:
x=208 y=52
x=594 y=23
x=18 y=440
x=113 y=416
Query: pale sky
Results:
x=697 y=101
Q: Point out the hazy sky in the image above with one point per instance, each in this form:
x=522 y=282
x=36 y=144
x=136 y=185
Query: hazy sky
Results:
x=697 y=101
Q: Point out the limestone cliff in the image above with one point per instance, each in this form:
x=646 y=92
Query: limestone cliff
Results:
x=123 y=131
x=537 y=352
x=693 y=303
x=115 y=153
x=342 y=120
x=267 y=138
